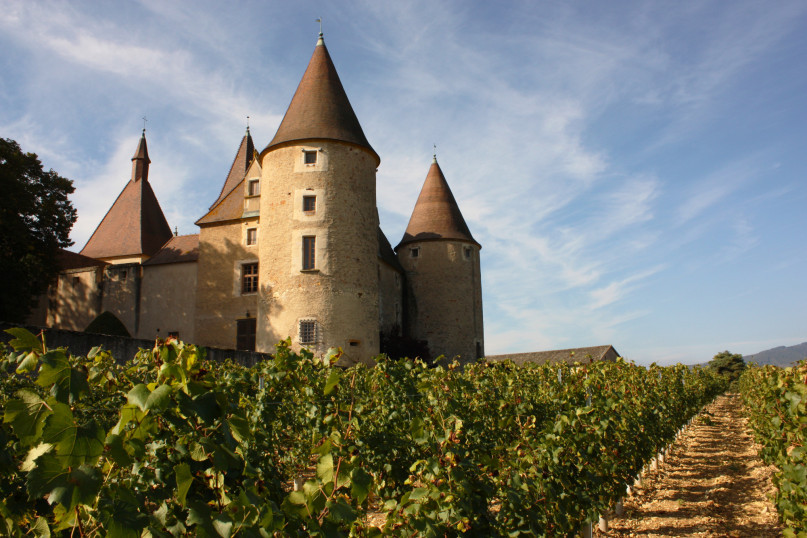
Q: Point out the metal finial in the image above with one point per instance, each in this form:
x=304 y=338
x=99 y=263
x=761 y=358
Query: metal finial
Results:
x=144 y=124
x=247 y=124
x=434 y=156
x=176 y=231
x=319 y=20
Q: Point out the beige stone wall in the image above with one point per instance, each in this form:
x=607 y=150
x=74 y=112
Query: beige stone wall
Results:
x=74 y=300
x=341 y=294
x=390 y=299
x=121 y=294
x=219 y=301
x=445 y=306
x=168 y=301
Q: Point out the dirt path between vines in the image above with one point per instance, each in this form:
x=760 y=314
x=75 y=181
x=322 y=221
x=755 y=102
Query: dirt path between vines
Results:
x=713 y=484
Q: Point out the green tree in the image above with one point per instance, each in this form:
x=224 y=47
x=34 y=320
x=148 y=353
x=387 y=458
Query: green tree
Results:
x=728 y=364
x=35 y=221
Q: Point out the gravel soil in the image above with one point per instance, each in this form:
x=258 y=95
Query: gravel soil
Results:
x=712 y=484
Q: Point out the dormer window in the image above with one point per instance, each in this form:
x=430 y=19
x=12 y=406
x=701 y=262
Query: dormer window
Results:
x=253 y=187
x=310 y=157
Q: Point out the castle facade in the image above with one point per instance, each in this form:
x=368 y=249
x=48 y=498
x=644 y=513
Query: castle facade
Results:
x=291 y=248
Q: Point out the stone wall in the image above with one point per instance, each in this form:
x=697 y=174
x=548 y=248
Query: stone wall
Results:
x=168 y=301
x=123 y=349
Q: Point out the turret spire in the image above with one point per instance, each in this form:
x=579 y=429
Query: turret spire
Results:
x=141 y=161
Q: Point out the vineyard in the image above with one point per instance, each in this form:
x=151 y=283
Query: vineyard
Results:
x=170 y=444
x=775 y=400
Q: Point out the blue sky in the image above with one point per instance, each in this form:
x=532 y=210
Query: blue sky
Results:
x=635 y=171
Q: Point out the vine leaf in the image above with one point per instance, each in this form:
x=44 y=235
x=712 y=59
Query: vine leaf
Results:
x=63 y=485
x=68 y=384
x=27 y=416
x=24 y=340
x=74 y=444
x=184 y=481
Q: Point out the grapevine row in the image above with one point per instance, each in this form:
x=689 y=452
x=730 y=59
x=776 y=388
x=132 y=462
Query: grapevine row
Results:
x=170 y=444
x=775 y=401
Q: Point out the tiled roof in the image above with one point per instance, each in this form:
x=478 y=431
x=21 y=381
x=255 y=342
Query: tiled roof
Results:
x=229 y=207
x=74 y=260
x=243 y=157
x=581 y=354
x=178 y=249
x=320 y=108
x=386 y=253
x=436 y=214
x=135 y=223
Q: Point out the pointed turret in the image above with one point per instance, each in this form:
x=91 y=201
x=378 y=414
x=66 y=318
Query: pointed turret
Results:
x=436 y=214
x=243 y=157
x=320 y=108
x=141 y=161
x=442 y=265
x=134 y=227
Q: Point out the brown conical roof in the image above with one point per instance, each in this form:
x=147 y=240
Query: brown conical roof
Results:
x=135 y=224
x=240 y=165
x=320 y=108
x=436 y=214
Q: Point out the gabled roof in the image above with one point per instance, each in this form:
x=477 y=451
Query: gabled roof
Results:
x=580 y=354
x=178 y=249
x=229 y=207
x=243 y=157
x=436 y=214
x=135 y=224
x=320 y=108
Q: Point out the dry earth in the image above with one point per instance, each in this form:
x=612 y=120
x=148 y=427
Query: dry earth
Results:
x=713 y=484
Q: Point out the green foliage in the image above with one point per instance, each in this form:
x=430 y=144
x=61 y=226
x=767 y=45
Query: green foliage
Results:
x=775 y=401
x=170 y=444
x=729 y=365
x=107 y=323
x=35 y=222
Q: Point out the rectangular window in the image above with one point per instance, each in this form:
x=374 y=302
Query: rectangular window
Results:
x=308 y=331
x=310 y=157
x=309 y=252
x=249 y=278
x=467 y=251
x=414 y=252
x=253 y=187
x=309 y=204
x=252 y=236
x=245 y=330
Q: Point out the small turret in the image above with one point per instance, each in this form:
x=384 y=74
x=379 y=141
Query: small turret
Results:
x=441 y=260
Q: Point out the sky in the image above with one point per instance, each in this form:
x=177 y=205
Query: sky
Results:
x=634 y=171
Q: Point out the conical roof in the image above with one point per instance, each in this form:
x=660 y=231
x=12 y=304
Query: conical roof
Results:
x=436 y=215
x=135 y=224
x=240 y=165
x=320 y=108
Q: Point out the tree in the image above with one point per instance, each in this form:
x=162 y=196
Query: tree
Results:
x=35 y=221
x=728 y=364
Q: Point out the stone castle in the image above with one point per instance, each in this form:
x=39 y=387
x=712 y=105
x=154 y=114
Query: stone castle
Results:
x=291 y=248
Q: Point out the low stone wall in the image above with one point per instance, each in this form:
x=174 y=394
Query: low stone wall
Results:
x=122 y=348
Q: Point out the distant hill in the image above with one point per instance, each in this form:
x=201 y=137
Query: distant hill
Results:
x=779 y=356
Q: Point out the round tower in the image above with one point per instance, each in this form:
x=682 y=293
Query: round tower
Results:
x=318 y=224
x=441 y=260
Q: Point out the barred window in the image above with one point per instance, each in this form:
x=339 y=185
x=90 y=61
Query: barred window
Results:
x=249 y=278
x=309 y=252
x=308 y=331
